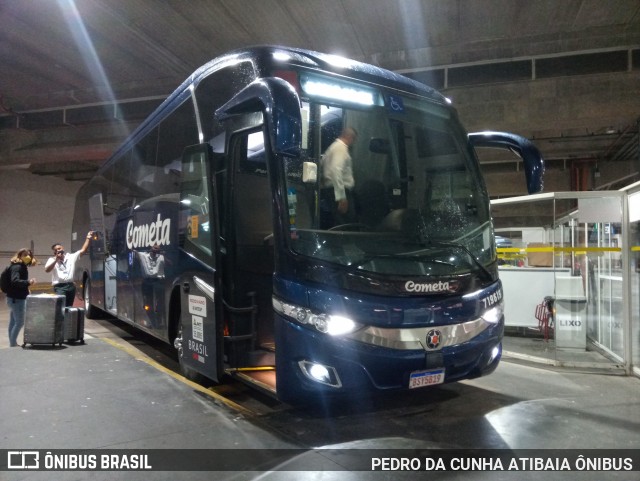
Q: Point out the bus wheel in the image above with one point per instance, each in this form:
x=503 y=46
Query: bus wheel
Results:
x=188 y=372
x=90 y=310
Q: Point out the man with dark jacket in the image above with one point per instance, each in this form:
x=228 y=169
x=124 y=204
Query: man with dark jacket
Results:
x=17 y=292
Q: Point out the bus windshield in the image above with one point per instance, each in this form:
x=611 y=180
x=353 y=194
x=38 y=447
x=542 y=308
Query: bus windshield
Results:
x=416 y=202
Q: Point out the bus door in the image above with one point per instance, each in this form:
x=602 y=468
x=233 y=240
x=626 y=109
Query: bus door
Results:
x=265 y=109
x=199 y=340
x=250 y=256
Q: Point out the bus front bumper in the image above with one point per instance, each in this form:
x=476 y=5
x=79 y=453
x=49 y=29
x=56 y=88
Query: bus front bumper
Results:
x=309 y=363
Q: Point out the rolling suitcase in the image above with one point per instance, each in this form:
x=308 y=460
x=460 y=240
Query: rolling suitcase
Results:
x=44 y=319
x=74 y=324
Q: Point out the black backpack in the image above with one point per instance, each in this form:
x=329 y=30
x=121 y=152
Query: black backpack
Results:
x=5 y=279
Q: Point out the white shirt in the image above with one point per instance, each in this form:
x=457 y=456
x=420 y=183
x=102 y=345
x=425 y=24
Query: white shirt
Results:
x=337 y=170
x=63 y=271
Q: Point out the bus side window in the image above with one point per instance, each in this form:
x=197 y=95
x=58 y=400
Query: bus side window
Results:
x=195 y=203
x=177 y=131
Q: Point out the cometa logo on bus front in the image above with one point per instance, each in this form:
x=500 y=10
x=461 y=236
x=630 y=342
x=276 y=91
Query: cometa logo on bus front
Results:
x=440 y=286
x=147 y=235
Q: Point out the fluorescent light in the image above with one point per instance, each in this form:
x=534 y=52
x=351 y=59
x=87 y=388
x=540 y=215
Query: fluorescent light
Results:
x=345 y=92
x=338 y=92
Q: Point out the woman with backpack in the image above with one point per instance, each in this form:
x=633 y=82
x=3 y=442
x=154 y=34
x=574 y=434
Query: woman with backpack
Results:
x=17 y=291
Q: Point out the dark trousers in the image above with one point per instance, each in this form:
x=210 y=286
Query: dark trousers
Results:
x=329 y=215
x=67 y=289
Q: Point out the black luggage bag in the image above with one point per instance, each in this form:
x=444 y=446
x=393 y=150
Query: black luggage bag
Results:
x=74 y=324
x=44 y=319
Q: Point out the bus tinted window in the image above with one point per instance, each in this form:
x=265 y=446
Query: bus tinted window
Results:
x=144 y=163
x=178 y=131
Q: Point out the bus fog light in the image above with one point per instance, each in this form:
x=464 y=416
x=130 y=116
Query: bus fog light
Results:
x=320 y=373
x=495 y=352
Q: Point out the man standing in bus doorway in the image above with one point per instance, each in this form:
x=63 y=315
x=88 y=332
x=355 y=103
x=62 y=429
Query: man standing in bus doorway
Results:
x=336 y=199
x=63 y=266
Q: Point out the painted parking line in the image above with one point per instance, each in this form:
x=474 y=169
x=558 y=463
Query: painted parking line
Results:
x=146 y=359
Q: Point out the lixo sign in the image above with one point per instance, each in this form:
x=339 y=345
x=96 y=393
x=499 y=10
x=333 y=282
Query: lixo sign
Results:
x=569 y=323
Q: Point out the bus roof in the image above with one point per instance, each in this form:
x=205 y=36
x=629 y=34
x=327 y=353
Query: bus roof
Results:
x=267 y=57
x=271 y=55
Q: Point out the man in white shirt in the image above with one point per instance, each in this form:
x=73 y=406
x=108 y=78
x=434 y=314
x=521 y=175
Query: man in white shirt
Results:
x=337 y=181
x=62 y=267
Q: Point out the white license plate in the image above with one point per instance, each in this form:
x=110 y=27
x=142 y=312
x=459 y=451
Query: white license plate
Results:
x=426 y=378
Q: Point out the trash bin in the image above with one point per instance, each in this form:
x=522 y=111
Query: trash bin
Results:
x=570 y=313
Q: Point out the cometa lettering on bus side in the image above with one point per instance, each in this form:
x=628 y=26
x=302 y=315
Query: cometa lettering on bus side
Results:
x=439 y=286
x=147 y=235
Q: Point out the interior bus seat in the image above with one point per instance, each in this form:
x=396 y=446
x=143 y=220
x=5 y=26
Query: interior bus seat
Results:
x=400 y=220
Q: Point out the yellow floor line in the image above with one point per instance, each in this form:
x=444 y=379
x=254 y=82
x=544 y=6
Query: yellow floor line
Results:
x=144 y=358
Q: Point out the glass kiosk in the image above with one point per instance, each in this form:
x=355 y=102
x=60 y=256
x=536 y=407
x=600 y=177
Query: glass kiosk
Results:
x=566 y=247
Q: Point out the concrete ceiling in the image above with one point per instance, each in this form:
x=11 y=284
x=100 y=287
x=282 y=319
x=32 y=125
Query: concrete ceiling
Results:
x=62 y=54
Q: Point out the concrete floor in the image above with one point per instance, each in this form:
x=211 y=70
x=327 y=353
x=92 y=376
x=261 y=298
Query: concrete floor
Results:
x=119 y=391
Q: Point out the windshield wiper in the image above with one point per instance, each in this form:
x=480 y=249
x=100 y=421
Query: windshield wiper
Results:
x=413 y=256
x=366 y=259
x=466 y=250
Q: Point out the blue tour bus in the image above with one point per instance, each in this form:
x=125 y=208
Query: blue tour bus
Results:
x=209 y=234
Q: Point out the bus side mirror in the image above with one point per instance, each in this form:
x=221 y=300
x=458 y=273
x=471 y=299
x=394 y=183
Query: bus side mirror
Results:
x=280 y=105
x=522 y=147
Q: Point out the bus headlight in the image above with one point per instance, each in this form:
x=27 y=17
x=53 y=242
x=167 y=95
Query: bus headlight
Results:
x=331 y=324
x=336 y=325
